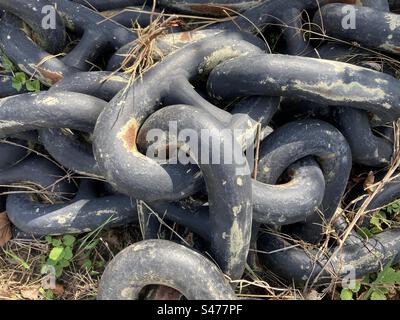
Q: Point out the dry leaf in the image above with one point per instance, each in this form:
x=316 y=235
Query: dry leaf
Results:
x=58 y=290
x=369 y=182
x=31 y=293
x=313 y=295
x=5 y=292
x=5 y=295
x=5 y=229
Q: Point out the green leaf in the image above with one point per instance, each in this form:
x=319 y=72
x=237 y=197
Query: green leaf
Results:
x=357 y=287
x=48 y=239
x=69 y=240
x=64 y=263
x=16 y=85
x=366 y=279
x=364 y=232
x=346 y=294
x=87 y=264
x=47 y=294
x=382 y=290
x=20 y=77
x=393 y=209
x=33 y=85
x=51 y=262
x=56 y=253
x=366 y=294
x=377 y=219
x=377 y=296
x=68 y=253
x=56 y=242
x=388 y=276
x=6 y=63
x=59 y=270
x=375 y=230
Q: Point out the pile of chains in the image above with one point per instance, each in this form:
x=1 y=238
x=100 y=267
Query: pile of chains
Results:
x=255 y=156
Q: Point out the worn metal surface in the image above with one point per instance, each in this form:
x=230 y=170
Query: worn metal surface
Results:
x=98 y=35
x=385 y=38
x=84 y=213
x=229 y=193
x=43 y=110
x=164 y=263
x=115 y=134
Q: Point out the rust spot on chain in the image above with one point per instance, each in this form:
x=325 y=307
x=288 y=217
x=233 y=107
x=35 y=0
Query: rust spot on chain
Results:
x=128 y=135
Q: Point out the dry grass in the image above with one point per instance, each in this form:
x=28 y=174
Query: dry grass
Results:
x=21 y=262
x=20 y=277
x=144 y=52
